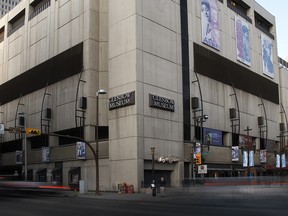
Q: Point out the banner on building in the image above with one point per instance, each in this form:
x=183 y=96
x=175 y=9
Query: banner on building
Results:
x=80 y=150
x=251 y=158
x=263 y=156
x=242 y=34
x=235 y=153
x=210 y=23
x=19 y=157
x=267 y=56
x=245 y=159
x=283 y=160
x=45 y=154
x=277 y=161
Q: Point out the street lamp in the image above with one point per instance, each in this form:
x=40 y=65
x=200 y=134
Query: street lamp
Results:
x=153 y=153
x=24 y=142
x=100 y=91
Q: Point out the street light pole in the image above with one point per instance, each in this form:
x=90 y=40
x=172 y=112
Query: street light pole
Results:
x=100 y=91
x=153 y=153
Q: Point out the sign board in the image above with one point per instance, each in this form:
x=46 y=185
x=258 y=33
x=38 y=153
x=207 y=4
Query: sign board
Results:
x=202 y=169
x=14 y=130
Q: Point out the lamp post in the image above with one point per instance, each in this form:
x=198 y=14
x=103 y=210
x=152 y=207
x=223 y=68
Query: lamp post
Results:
x=24 y=142
x=100 y=91
x=153 y=154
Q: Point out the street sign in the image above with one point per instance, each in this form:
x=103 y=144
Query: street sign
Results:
x=14 y=130
x=202 y=169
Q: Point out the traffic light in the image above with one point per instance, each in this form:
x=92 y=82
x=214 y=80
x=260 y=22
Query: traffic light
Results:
x=198 y=159
x=34 y=131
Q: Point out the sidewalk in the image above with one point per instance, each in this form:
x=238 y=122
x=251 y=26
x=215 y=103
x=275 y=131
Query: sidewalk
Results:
x=143 y=195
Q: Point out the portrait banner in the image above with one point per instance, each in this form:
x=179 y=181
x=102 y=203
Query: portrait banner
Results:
x=267 y=56
x=210 y=23
x=235 y=153
x=242 y=34
x=81 y=150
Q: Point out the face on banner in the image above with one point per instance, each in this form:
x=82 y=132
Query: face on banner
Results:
x=210 y=23
x=267 y=56
x=242 y=40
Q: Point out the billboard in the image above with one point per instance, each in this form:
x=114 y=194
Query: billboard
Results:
x=242 y=35
x=212 y=137
x=210 y=23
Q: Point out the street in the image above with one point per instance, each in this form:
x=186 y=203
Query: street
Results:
x=190 y=201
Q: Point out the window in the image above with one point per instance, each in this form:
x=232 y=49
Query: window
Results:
x=263 y=25
x=240 y=8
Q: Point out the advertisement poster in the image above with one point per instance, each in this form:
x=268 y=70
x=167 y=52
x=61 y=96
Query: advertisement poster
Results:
x=210 y=23
x=263 y=156
x=245 y=159
x=19 y=157
x=212 y=137
x=283 y=160
x=251 y=158
x=242 y=40
x=45 y=154
x=80 y=150
x=267 y=56
x=277 y=161
x=235 y=153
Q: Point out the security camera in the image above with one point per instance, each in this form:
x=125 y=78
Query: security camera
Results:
x=205 y=116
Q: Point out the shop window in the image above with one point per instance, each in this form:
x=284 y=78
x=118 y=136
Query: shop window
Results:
x=74 y=176
x=41 y=175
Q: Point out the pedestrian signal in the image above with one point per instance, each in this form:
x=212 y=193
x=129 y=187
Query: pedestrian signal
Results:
x=198 y=159
x=34 y=131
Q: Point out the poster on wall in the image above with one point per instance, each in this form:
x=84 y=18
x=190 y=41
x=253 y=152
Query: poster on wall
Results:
x=245 y=159
x=45 y=154
x=251 y=158
x=235 y=153
x=277 y=161
x=242 y=40
x=283 y=160
x=267 y=56
x=263 y=156
x=212 y=136
x=80 y=150
x=19 y=157
x=210 y=23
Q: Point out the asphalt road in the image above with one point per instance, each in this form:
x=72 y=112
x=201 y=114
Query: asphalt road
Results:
x=192 y=201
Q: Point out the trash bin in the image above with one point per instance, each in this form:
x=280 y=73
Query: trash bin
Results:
x=83 y=186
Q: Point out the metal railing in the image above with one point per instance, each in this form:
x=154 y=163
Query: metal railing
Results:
x=39 y=10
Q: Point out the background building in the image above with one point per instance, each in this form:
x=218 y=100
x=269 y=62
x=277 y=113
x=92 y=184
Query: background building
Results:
x=177 y=74
x=7 y=5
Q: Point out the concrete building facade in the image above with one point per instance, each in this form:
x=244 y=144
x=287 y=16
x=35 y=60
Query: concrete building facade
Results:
x=179 y=74
x=7 y=5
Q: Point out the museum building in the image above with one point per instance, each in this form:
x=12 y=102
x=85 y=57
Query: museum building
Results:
x=128 y=91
